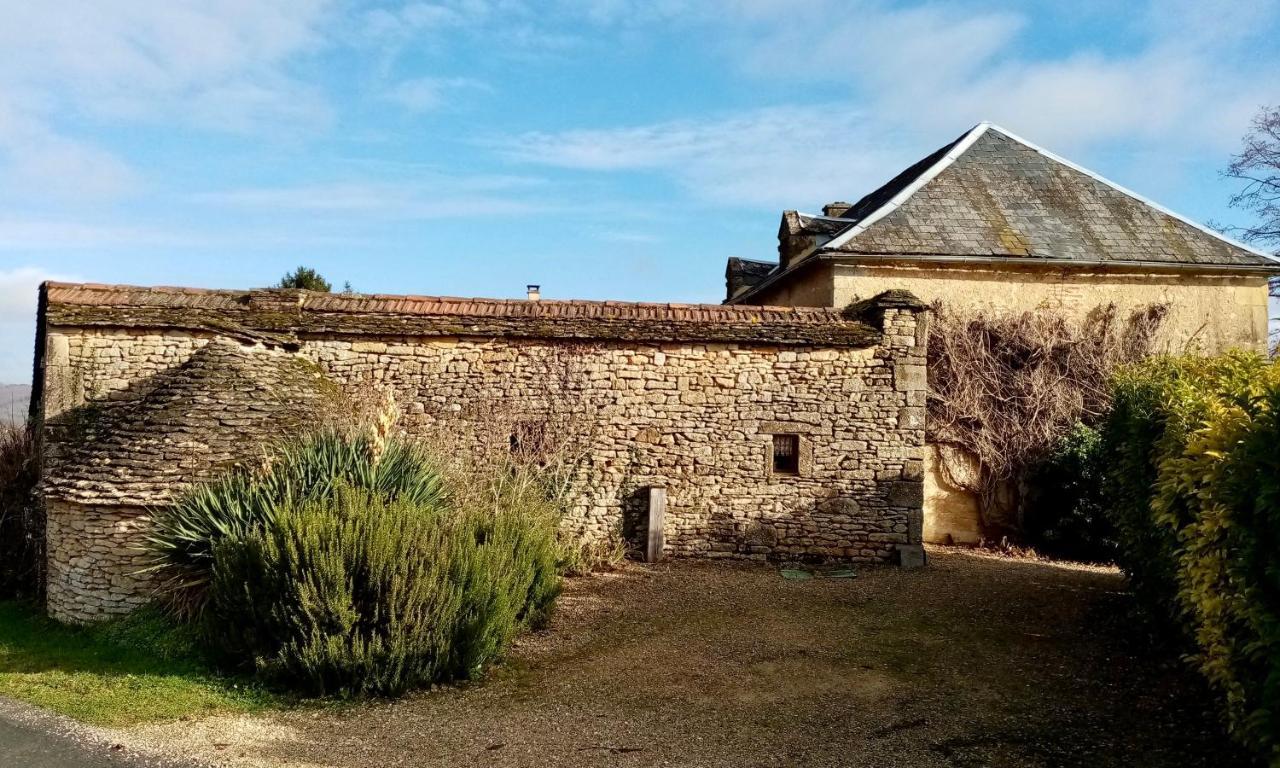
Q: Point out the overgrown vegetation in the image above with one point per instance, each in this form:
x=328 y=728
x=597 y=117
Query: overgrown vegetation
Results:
x=1192 y=476
x=545 y=444
x=136 y=669
x=352 y=562
x=186 y=533
x=1064 y=512
x=21 y=524
x=356 y=594
x=1003 y=389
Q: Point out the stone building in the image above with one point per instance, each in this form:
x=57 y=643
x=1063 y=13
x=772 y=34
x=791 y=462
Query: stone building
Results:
x=992 y=222
x=777 y=432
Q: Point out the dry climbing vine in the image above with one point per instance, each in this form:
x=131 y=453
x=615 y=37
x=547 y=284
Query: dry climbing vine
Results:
x=1003 y=388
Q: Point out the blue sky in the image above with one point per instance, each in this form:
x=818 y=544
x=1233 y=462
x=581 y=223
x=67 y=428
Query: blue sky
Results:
x=602 y=148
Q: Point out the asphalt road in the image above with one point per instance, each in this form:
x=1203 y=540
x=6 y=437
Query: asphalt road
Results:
x=31 y=738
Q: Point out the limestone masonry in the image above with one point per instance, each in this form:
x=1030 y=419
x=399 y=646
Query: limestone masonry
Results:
x=141 y=391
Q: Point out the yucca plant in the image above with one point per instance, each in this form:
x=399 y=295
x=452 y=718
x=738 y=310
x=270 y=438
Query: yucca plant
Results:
x=185 y=534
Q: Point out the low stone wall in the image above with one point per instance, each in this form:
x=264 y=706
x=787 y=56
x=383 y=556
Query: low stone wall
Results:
x=697 y=417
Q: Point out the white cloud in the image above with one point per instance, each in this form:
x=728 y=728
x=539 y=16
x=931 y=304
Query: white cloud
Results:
x=23 y=234
x=18 y=291
x=431 y=197
x=772 y=157
x=941 y=66
x=18 y=298
x=40 y=161
x=221 y=65
x=423 y=94
x=137 y=57
x=903 y=77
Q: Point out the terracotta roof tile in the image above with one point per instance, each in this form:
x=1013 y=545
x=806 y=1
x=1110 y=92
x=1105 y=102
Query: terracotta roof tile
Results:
x=293 y=312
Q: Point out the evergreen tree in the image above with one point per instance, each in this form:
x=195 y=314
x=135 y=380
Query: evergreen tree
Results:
x=306 y=279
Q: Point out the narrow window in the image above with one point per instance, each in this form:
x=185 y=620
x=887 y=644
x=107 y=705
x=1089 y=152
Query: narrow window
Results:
x=786 y=454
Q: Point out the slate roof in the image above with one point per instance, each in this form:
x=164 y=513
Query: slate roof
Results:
x=741 y=274
x=992 y=196
x=990 y=193
x=185 y=424
x=281 y=316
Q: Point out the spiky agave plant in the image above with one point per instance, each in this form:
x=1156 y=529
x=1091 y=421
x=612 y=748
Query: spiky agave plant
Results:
x=312 y=467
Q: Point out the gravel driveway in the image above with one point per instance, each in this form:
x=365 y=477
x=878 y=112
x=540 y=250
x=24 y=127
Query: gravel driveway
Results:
x=973 y=661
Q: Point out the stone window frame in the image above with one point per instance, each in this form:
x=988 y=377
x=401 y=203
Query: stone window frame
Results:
x=804 y=441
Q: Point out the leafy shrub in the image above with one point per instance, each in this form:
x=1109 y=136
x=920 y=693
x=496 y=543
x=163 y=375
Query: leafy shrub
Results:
x=1192 y=457
x=358 y=593
x=1065 y=515
x=185 y=534
x=307 y=279
x=21 y=525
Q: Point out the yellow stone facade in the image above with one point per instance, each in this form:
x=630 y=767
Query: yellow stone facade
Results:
x=1209 y=312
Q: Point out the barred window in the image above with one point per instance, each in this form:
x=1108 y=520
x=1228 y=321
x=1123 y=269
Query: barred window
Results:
x=786 y=454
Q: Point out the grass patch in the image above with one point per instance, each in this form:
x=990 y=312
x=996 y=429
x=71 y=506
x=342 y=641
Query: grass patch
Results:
x=132 y=670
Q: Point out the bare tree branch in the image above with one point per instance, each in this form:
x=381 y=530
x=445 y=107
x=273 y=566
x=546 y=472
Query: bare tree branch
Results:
x=1258 y=167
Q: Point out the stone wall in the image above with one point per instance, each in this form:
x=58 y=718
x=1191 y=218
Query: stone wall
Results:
x=94 y=560
x=697 y=419
x=694 y=417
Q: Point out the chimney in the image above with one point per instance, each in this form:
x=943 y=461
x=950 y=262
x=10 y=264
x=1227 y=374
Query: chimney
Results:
x=535 y=292
x=836 y=210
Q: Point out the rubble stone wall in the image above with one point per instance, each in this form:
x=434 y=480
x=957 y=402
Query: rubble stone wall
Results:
x=696 y=418
x=94 y=561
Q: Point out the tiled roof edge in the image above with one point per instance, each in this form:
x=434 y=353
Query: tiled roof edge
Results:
x=281 y=316
x=906 y=192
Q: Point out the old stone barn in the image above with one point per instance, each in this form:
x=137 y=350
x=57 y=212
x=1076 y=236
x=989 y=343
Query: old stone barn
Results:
x=775 y=432
x=789 y=422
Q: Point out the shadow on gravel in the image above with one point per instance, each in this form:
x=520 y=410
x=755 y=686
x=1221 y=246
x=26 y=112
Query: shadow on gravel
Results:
x=972 y=661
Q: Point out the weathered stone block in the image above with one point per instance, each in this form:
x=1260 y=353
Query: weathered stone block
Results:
x=905 y=493
x=910 y=555
x=909 y=376
x=913 y=469
x=911 y=417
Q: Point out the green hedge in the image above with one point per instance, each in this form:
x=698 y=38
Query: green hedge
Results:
x=1192 y=479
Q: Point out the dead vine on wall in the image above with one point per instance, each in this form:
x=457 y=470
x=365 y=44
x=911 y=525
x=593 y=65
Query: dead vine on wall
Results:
x=1004 y=388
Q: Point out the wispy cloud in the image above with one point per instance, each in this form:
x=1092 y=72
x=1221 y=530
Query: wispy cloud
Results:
x=770 y=157
x=18 y=294
x=219 y=65
x=18 y=289
x=898 y=74
x=27 y=234
x=434 y=198
x=424 y=94
x=41 y=162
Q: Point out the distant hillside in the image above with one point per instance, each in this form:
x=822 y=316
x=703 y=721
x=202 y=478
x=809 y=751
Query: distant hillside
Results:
x=13 y=403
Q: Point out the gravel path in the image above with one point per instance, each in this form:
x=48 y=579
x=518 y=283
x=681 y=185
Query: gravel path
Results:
x=973 y=661
x=33 y=738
